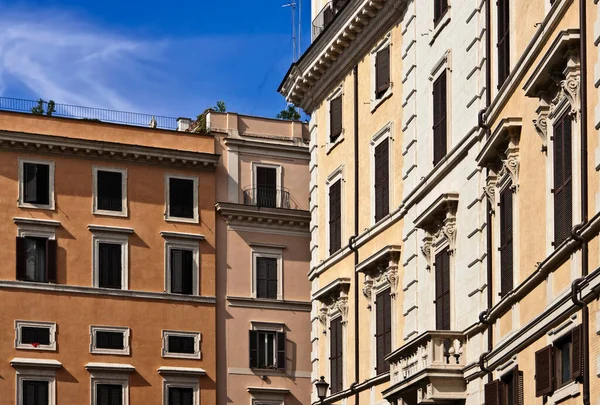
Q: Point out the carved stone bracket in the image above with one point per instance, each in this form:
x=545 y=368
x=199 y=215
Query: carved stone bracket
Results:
x=381 y=270
x=439 y=223
x=426 y=249
x=541 y=122
x=334 y=299
x=490 y=188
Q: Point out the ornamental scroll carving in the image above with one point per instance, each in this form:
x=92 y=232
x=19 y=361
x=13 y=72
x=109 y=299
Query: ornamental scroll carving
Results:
x=540 y=123
x=442 y=229
x=383 y=273
x=333 y=304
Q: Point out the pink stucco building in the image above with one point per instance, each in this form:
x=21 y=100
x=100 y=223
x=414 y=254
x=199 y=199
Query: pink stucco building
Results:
x=263 y=294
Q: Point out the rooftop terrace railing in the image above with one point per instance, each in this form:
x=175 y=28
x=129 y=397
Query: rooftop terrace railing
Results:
x=90 y=113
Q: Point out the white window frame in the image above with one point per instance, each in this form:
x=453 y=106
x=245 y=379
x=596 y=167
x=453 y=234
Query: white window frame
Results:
x=337 y=174
x=386 y=41
x=443 y=65
x=126 y=351
x=36 y=228
x=182 y=244
x=113 y=238
x=436 y=29
x=384 y=134
x=279 y=178
x=168 y=217
x=197 y=339
x=51 y=326
x=95 y=210
x=177 y=381
x=330 y=145
x=443 y=244
x=109 y=377
x=269 y=252
x=51 y=196
x=36 y=373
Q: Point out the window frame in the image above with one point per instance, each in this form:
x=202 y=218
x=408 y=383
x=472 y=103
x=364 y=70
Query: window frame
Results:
x=180 y=381
x=274 y=328
x=51 y=206
x=384 y=134
x=441 y=67
x=338 y=92
x=182 y=244
x=19 y=324
x=279 y=179
x=195 y=209
x=267 y=252
x=36 y=373
x=197 y=355
x=95 y=195
x=118 y=238
x=112 y=378
x=337 y=175
x=126 y=351
x=386 y=41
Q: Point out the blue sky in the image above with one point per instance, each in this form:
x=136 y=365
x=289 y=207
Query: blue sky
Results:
x=171 y=58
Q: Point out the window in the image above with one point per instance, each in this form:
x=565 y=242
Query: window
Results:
x=506 y=241
x=266 y=187
x=182 y=271
x=503 y=41
x=109 y=340
x=110 y=191
x=110 y=261
x=181 y=344
x=35 y=392
x=267 y=349
x=182 y=198
x=382 y=180
x=36 y=184
x=440 y=7
x=439 y=119
x=383 y=334
x=442 y=290
x=335 y=217
x=35 y=335
x=382 y=72
x=181 y=396
x=559 y=364
x=36 y=259
x=266 y=277
x=563 y=202
x=110 y=256
x=336 y=355
x=508 y=390
x=335 y=119
x=181 y=386
x=109 y=394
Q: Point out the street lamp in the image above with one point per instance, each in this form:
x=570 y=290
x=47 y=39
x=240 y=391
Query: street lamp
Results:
x=322 y=386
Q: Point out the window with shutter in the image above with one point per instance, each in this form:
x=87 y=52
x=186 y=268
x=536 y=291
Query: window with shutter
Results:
x=503 y=41
x=493 y=393
x=506 y=241
x=36 y=259
x=267 y=349
x=35 y=392
x=577 y=352
x=281 y=350
x=563 y=201
x=266 y=277
x=109 y=265
x=382 y=180
x=511 y=387
x=442 y=290
x=439 y=119
x=382 y=72
x=335 y=118
x=253 y=345
x=181 y=396
x=440 y=7
x=383 y=328
x=266 y=187
x=182 y=271
x=109 y=394
x=36 y=183
x=544 y=371
x=336 y=355
x=109 y=190
x=335 y=217
x=181 y=198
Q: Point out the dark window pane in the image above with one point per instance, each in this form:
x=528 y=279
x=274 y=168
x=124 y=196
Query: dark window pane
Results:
x=266 y=187
x=439 y=119
x=109 y=265
x=35 y=392
x=382 y=189
x=35 y=259
x=182 y=271
x=181 y=396
x=109 y=394
x=110 y=191
x=109 y=340
x=335 y=217
x=181 y=344
x=36 y=187
x=181 y=198
x=35 y=336
x=442 y=290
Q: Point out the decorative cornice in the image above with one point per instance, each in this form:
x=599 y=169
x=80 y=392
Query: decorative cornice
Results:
x=181 y=235
x=380 y=269
x=109 y=229
x=87 y=148
x=261 y=217
x=334 y=297
x=439 y=221
x=110 y=367
x=20 y=362
x=164 y=370
x=245 y=302
x=35 y=221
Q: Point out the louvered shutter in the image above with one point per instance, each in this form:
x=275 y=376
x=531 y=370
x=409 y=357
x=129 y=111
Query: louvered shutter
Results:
x=51 y=248
x=383 y=329
x=271 y=277
x=439 y=9
x=261 y=278
x=35 y=392
x=493 y=393
x=442 y=290
x=335 y=223
x=253 y=344
x=544 y=371
x=439 y=119
x=281 y=350
x=115 y=253
x=336 y=359
x=503 y=41
x=30 y=183
x=518 y=386
x=188 y=272
x=563 y=208
x=506 y=241
x=577 y=352
x=335 y=118
x=21 y=259
x=382 y=193
x=176 y=271
x=382 y=72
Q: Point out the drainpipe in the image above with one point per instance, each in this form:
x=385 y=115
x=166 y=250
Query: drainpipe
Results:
x=353 y=245
x=585 y=314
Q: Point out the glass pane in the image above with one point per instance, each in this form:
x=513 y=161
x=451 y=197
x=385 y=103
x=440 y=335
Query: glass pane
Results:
x=565 y=359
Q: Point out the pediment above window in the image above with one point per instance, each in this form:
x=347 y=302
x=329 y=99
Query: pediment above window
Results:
x=439 y=223
x=381 y=271
x=334 y=300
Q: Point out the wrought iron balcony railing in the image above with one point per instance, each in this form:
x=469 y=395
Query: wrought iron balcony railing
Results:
x=325 y=16
x=268 y=197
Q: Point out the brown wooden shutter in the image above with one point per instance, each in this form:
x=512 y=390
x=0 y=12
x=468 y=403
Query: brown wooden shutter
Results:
x=253 y=344
x=503 y=41
x=382 y=72
x=383 y=329
x=442 y=290
x=51 y=250
x=493 y=392
x=336 y=359
x=518 y=386
x=382 y=188
x=271 y=277
x=281 y=352
x=577 y=357
x=544 y=371
x=563 y=200
x=335 y=118
x=261 y=277
x=506 y=241
x=439 y=9
x=21 y=259
x=439 y=119
x=335 y=220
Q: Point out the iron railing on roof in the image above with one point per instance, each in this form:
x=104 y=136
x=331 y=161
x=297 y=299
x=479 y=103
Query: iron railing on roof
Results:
x=90 y=113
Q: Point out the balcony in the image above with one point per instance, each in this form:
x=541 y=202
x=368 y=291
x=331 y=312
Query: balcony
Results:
x=267 y=197
x=428 y=369
x=325 y=16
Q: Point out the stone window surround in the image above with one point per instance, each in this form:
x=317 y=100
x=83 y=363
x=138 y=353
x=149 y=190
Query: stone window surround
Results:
x=113 y=235
x=386 y=41
x=339 y=91
x=51 y=326
x=180 y=381
x=123 y=172
x=197 y=355
x=109 y=373
x=180 y=241
x=168 y=217
x=52 y=198
x=126 y=331
x=36 y=370
x=269 y=252
x=384 y=134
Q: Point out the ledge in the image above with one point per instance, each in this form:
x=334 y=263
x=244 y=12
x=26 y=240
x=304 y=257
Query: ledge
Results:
x=111 y=229
x=266 y=390
x=164 y=370
x=35 y=221
x=20 y=362
x=262 y=303
x=112 y=367
x=181 y=235
x=499 y=137
x=382 y=255
x=267 y=245
x=265 y=218
x=437 y=207
x=335 y=285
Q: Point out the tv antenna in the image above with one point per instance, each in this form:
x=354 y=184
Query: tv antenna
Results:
x=296 y=32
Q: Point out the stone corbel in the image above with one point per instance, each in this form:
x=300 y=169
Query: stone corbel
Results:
x=541 y=122
x=426 y=249
x=368 y=290
x=490 y=188
x=323 y=314
x=571 y=84
x=449 y=231
x=341 y=305
x=392 y=278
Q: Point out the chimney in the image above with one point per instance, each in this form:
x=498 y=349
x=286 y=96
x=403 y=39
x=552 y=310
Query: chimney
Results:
x=183 y=124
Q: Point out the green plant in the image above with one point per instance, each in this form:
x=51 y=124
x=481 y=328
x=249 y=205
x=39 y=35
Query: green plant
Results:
x=289 y=114
x=39 y=108
x=51 y=108
x=199 y=125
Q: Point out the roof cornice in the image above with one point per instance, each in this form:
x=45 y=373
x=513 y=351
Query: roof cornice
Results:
x=262 y=217
x=107 y=150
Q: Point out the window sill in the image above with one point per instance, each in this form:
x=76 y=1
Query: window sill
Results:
x=183 y=220
x=376 y=102
x=46 y=207
x=331 y=145
x=195 y=356
x=439 y=27
x=106 y=213
x=570 y=390
x=259 y=370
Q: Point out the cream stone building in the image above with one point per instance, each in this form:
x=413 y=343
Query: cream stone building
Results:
x=454 y=200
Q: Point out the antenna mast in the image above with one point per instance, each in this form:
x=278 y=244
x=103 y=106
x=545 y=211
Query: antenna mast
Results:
x=292 y=5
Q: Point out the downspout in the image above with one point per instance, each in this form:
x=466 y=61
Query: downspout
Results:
x=353 y=241
x=585 y=312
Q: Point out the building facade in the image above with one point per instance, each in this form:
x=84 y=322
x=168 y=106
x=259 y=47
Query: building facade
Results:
x=454 y=200
x=263 y=295
x=107 y=274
